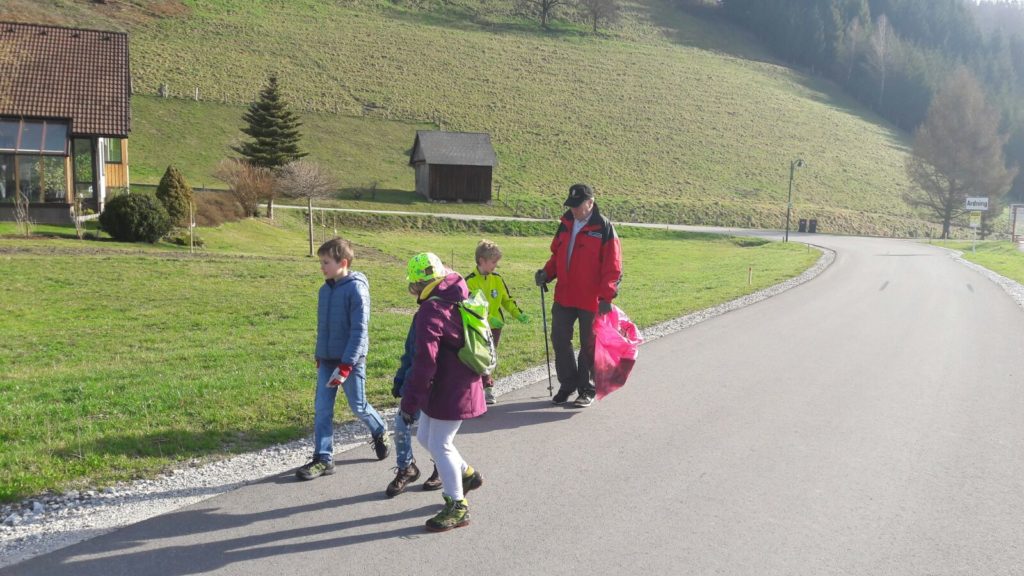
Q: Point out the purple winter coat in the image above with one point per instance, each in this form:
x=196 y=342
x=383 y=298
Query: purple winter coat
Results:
x=439 y=383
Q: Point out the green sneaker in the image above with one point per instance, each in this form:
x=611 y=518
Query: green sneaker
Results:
x=315 y=468
x=455 y=514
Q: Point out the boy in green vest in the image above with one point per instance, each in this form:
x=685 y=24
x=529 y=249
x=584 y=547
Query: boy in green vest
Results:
x=485 y=279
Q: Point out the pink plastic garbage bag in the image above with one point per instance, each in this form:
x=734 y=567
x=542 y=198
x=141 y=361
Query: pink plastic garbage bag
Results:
x=616 y=344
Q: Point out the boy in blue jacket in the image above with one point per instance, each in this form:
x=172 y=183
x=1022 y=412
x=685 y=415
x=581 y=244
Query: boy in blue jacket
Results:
x=342 y=340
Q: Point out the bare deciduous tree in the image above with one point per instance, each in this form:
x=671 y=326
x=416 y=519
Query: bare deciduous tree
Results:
x=545 y=9
x=21 y=215
x=880 y=53
x=248 y=184
x=305 y=179
x=958 y=152
x=598 y=11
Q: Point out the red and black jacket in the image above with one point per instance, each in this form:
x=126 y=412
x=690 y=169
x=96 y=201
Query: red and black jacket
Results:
x=596 y=267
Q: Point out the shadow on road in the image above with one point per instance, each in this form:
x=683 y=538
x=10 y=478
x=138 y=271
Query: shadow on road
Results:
x=516 y=414
x=102 y=556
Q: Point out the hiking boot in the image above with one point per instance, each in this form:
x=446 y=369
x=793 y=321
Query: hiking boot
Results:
x=381 y=446
x=583 y=400
x=489 y=396
x=315 y=468
x=472 y=481
x=455 y=514
x=403 y=477
x=434 y=482
x=561 y=397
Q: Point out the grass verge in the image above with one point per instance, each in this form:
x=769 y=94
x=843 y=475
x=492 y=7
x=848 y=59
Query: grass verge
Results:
x=122 y=359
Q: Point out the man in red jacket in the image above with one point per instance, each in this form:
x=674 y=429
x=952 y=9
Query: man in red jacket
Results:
x=586 y=259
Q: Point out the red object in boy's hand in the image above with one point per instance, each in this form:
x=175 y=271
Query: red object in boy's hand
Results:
x=340 y=375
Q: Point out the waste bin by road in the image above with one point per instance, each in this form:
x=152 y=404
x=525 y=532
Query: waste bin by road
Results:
x=803 y=225
x=812 y=226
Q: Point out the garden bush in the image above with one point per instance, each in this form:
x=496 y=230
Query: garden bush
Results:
x=135 y=218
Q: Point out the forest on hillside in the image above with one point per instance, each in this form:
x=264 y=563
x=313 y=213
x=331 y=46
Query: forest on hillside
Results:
x=893 y=55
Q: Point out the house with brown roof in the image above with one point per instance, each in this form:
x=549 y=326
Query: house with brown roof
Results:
x=453 y=166
x=65 y=115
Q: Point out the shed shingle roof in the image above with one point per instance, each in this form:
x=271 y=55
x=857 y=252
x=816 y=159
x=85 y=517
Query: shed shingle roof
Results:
x=453 y=148
x=54 y=72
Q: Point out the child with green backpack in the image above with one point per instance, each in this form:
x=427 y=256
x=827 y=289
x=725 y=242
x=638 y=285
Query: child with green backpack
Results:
x=441 y=384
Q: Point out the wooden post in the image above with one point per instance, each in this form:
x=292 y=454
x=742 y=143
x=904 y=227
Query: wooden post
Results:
x=191 y=227
x=309 y=200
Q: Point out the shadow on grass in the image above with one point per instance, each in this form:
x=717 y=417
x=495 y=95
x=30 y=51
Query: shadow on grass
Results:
x=467 y=20
x=180 y=445
x=388 y=195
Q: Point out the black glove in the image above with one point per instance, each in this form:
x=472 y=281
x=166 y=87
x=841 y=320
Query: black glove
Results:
x=406 y=417
x=396 y=388
x=604 y=306
x=540 y=277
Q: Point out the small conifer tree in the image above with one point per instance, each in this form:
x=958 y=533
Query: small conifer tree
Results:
x=274 y=130
x=176 y=196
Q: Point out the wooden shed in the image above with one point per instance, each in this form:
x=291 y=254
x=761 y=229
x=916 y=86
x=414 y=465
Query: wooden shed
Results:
x=65 y=115
x=453 y=166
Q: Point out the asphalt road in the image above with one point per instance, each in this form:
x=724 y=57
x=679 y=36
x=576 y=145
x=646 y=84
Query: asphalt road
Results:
x=870 y=421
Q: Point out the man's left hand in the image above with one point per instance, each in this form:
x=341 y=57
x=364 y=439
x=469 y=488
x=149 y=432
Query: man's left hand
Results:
x=604 y=307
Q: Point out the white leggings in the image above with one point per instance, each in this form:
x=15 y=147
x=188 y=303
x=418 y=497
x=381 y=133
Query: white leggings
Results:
x=438 y=437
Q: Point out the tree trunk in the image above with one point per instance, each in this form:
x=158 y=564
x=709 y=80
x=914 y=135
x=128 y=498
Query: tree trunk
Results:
x=270 y=208
x=310 y=204
x=595 y=24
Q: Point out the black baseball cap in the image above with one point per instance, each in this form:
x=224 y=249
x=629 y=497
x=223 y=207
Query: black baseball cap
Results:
x=578 y=193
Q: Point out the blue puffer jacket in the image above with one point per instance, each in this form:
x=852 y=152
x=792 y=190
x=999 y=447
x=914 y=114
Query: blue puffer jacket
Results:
x=342 y=319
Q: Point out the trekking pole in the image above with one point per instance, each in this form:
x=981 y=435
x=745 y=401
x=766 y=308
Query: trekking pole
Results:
x=544 y=320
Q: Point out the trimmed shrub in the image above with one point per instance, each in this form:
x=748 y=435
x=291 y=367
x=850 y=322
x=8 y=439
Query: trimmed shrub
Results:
x=216 y=208
x=176 y=195
x=134 y=218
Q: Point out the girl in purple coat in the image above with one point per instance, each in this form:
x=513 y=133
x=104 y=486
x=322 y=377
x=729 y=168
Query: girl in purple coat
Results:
x=440 y=386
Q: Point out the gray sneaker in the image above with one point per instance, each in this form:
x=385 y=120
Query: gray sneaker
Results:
x=489 y=396
x=582 y=401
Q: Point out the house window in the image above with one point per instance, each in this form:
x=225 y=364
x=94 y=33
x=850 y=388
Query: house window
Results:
x=113 y=150
x=39 y=178
x=33 y=160
x=34 y=136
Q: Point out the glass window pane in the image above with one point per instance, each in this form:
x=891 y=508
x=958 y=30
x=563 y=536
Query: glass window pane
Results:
x=82 y=158
x=7 y=178
x=55 y=181
x=56 y=137
x=28 y=177
x=31 y=136
x=8 y=133
x=113 y=150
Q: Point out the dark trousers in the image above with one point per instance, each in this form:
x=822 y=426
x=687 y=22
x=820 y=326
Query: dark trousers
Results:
x=573 y=372
x=495 y=335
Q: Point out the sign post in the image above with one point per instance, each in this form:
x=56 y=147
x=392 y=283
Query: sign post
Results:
x=976 y=206
x=1017 y=222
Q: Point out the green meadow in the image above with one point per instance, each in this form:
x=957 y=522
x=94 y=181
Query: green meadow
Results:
x=122 y=359
x=673 y=116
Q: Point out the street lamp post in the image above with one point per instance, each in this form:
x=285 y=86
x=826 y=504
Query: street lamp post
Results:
x=798 y=163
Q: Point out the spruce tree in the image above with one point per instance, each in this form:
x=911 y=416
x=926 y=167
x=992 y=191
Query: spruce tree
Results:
x=176 y=196
x=274 y=129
